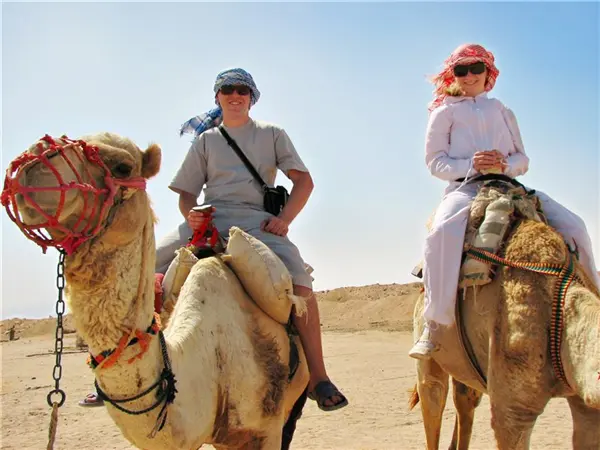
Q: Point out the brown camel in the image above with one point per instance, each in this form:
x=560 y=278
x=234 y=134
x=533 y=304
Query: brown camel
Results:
x=229 y=359
x=507 y=324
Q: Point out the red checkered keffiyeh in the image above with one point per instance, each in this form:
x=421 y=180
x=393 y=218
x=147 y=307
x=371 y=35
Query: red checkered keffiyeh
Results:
x=465 y=54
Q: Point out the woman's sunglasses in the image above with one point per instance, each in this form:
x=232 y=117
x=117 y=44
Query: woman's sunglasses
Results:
x=476 y=69
x=241 y=89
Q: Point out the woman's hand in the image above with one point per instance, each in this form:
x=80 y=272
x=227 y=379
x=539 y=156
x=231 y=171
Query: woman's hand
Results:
x=489 y=160
x=275 y=225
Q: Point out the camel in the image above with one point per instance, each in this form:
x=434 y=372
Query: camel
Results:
x=229 y=359
x=506 y=323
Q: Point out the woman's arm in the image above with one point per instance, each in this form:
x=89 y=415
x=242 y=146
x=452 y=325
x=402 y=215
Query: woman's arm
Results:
x=437 y=146
x=517 y=162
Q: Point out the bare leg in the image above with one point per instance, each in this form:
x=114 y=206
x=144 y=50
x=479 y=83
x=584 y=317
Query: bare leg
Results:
x=309 y=329
x=586 y=425
x=466 y=400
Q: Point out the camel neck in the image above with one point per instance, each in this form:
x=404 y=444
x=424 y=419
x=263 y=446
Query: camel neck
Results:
x=581 y=344
x=109 y=298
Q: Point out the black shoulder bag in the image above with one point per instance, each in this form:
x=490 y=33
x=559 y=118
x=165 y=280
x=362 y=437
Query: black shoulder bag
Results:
x=274 y=198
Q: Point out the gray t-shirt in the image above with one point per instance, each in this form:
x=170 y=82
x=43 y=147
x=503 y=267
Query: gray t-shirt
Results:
x=212 y=162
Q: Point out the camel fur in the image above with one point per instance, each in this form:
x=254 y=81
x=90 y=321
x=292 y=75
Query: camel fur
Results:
x=229 y=358
x=507 y=323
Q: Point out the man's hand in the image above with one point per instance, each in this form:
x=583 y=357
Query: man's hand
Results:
x=275 y=225
x=487 y=160
x=195 y=219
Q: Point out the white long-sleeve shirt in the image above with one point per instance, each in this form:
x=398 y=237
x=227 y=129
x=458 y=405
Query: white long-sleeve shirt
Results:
x=462 y=126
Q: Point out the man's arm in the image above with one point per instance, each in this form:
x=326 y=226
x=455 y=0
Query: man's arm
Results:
x=302 y=188
x=186 y=202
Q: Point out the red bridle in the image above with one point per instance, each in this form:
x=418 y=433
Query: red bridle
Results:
x=73 y=238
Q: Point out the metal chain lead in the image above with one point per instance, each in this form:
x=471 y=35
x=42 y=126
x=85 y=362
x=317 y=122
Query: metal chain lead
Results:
x=58 y=343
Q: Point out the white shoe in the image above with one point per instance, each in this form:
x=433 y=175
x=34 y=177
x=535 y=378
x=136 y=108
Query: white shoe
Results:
x=424 y=347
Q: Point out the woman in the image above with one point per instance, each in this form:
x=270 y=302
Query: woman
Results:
x=468 y=134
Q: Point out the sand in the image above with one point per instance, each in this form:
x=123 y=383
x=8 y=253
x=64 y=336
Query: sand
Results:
x=366 y=339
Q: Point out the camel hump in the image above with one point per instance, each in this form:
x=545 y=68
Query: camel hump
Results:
x=263 y=275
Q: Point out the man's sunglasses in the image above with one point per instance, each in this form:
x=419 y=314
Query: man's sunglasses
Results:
x=476 y=69
x=241 y=89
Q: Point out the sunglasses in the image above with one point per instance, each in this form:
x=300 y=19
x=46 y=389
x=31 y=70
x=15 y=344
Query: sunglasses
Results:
x=462 y=70
x=241 y=89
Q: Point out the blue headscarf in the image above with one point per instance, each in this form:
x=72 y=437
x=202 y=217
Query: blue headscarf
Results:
x=213 y=118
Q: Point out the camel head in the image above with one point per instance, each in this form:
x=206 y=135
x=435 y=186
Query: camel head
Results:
x=63 y=192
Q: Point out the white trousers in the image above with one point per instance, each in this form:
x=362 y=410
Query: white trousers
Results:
x=444 y=246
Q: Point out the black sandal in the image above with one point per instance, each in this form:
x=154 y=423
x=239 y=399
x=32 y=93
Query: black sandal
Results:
x=91 y=400
x=324 y=391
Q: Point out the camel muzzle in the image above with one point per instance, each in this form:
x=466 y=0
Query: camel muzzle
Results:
x=20 y=195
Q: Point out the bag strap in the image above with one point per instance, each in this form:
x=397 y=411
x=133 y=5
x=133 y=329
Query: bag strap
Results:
x=245 y=160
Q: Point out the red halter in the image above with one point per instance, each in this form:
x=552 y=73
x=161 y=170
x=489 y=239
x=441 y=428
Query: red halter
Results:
x=73 y=238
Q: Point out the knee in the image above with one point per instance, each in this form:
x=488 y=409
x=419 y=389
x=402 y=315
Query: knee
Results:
x=307 y=303
x=579 y=225
x=303 y=291
x=574 y=228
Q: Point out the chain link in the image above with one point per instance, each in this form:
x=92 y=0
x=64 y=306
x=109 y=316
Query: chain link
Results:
x=58 y=343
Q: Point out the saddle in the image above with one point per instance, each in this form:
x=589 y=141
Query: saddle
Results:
x=499 y=203
x=262 y=274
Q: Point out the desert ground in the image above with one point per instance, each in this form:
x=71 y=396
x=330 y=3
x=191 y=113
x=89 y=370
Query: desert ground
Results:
x=367 y=334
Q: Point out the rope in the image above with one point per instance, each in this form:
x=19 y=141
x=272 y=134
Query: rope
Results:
x=487 y=257
x=566 y=275
x=165 y=395
x=565 y=279
x=109 y=358
x=165 y=385
x=103 y=198
x=53 y=426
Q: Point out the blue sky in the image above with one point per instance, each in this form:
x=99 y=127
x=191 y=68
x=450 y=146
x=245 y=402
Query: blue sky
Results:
x=348 y=82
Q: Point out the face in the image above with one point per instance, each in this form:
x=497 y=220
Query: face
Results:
x=50 y=194
x=234 y=100
x=471 y=78
x=41 y=176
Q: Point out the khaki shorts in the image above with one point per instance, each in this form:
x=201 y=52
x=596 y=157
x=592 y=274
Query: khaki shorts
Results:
x=248 y=220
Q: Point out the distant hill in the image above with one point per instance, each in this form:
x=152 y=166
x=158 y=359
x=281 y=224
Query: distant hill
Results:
x=379 y=306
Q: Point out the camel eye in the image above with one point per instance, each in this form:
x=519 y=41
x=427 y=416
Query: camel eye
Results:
x=122 y=170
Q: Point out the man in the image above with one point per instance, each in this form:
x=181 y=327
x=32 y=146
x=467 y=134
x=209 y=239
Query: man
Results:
x=212 y=166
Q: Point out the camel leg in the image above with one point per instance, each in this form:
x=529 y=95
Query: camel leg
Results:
x=512 y=426
x=432 y=386
x=270 y=442
x=515 y=405
x=514 y=415
x=271 y=439
x=290 y=426
x=586 y=425
x=466 y=400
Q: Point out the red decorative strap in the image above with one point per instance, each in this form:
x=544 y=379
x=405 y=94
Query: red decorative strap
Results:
x=97 y=201
x=109 y=358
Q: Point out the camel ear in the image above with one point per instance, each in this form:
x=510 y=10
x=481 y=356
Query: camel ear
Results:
x=151 y=161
